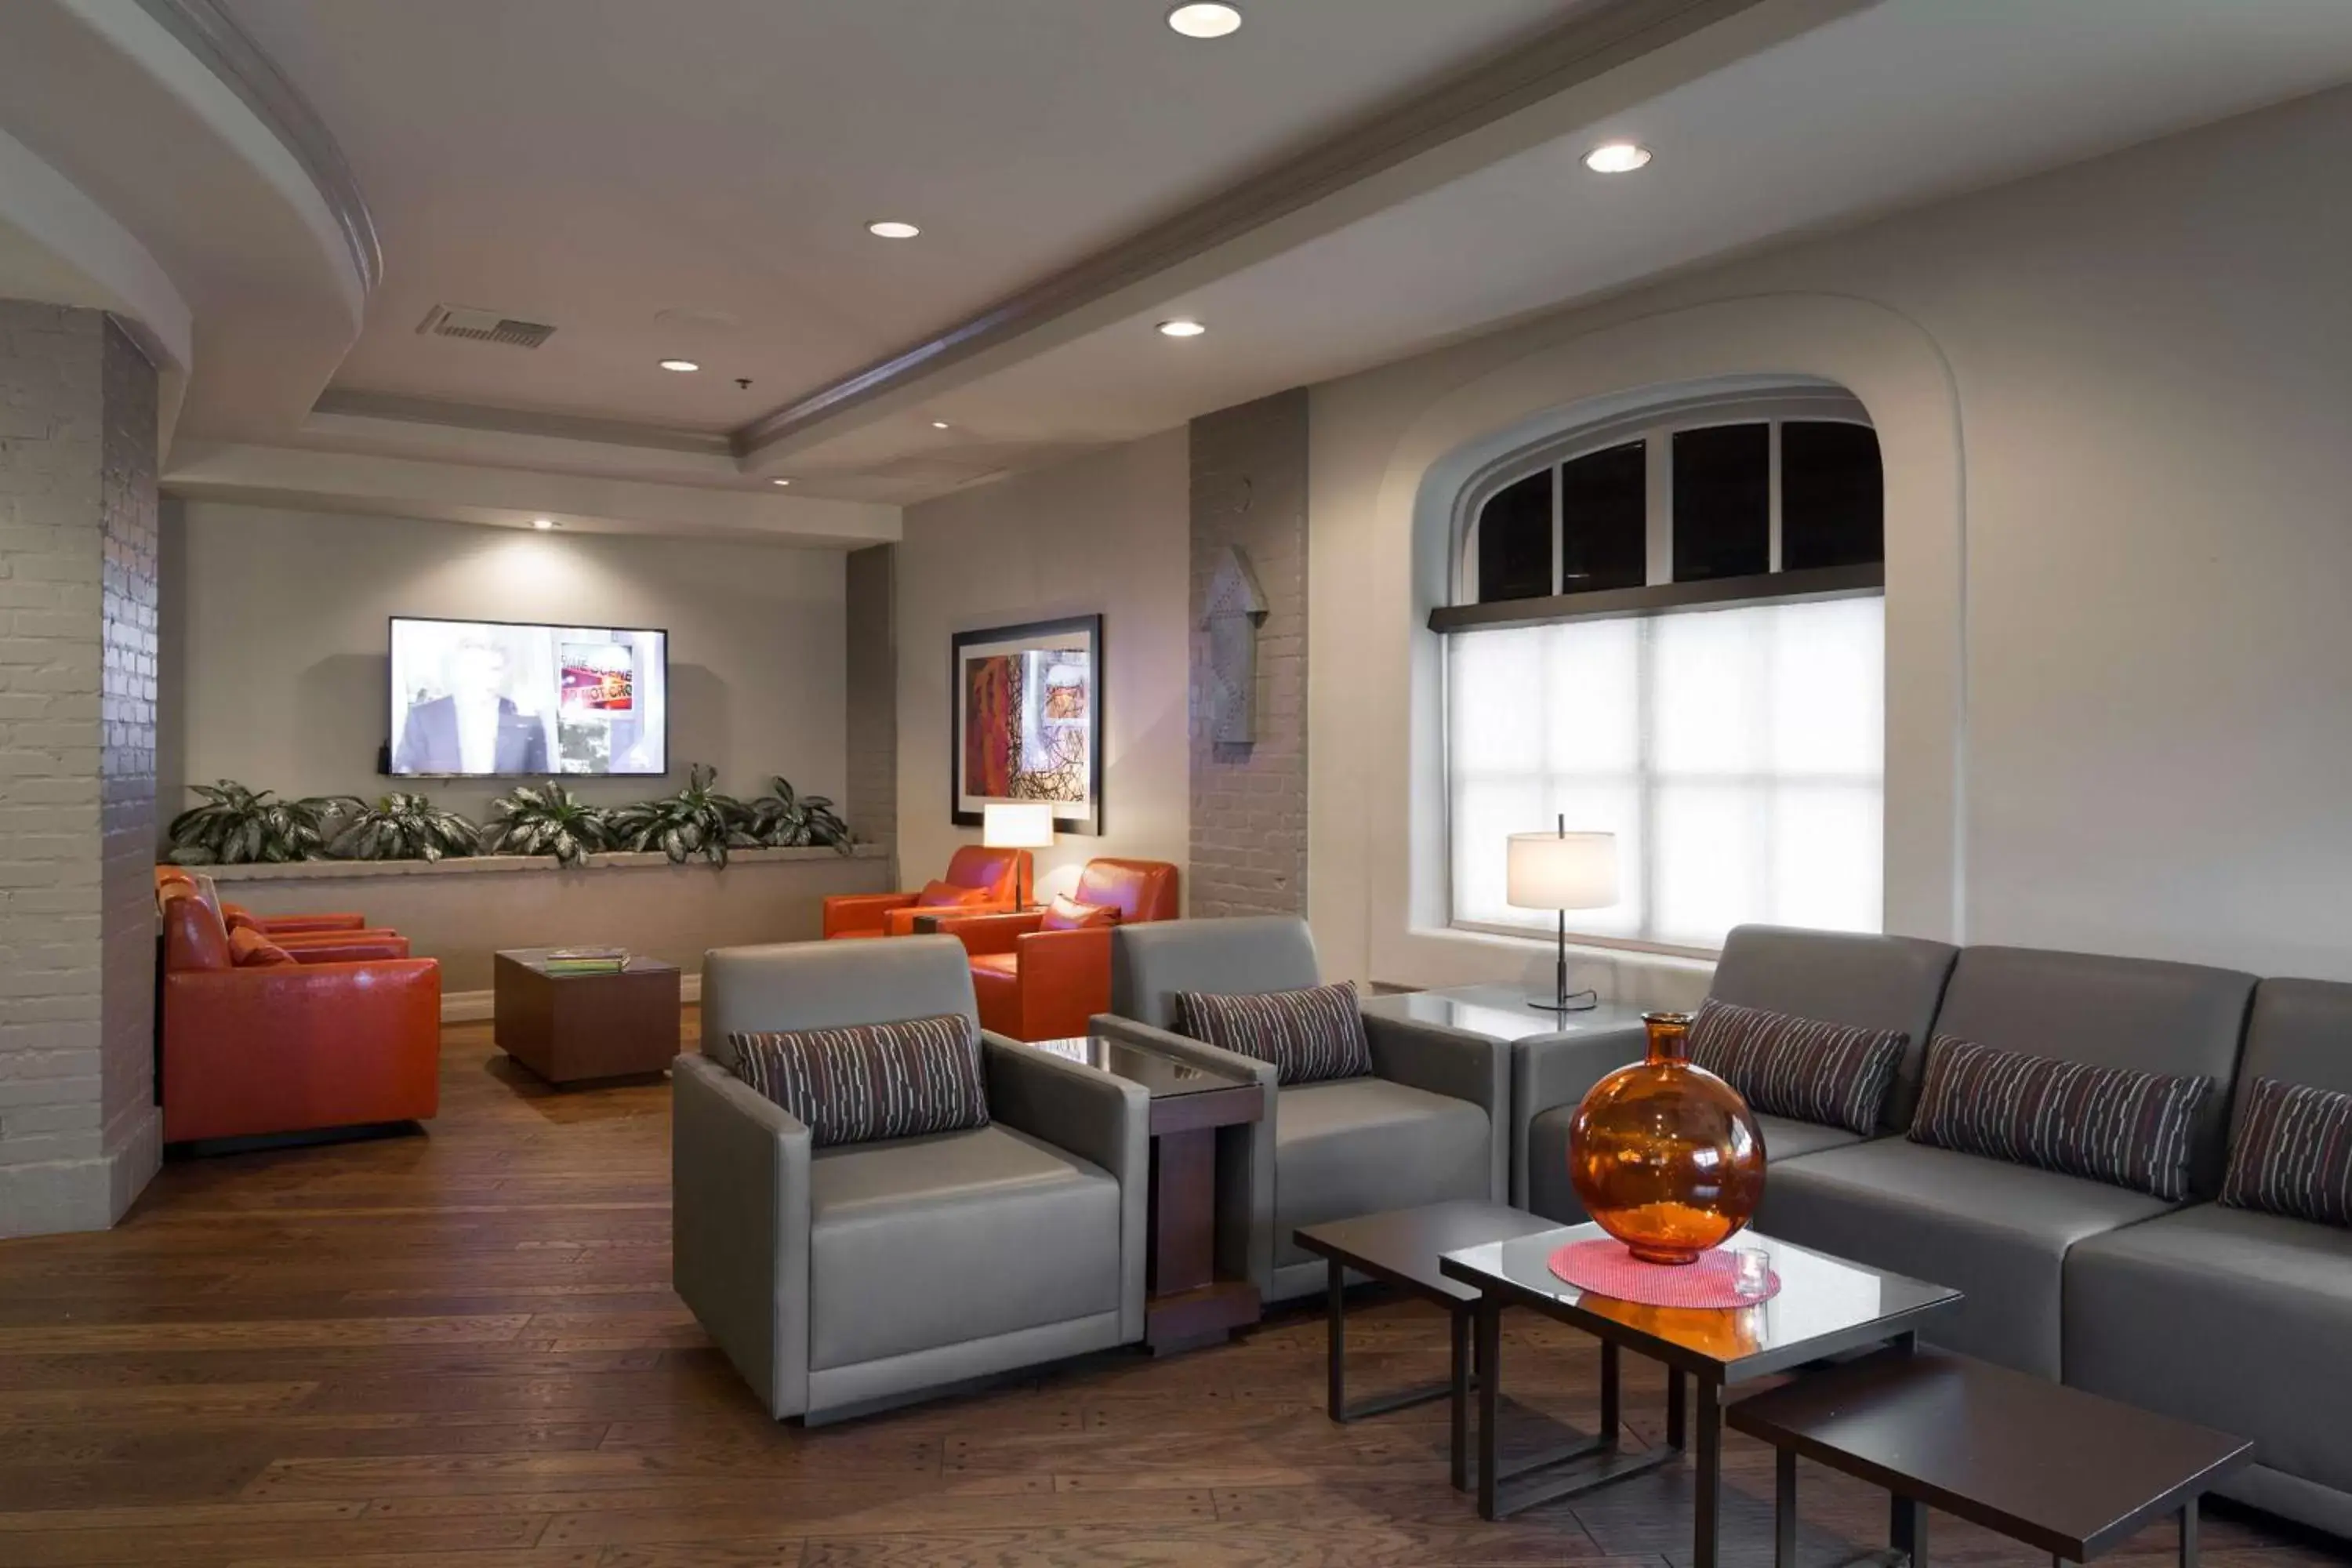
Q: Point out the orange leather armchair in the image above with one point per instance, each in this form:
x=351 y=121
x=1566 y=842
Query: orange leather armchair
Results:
x=339 y=1038
x=169 y=877
x=1000 y=879
x=1038 y=984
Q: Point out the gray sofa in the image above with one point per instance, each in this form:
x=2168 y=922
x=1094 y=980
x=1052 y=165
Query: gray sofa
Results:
x=2240 y=1320
x=1431 y=1121
x=846 y=1278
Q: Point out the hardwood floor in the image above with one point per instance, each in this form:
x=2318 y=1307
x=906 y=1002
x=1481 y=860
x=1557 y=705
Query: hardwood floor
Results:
x=461 y=1351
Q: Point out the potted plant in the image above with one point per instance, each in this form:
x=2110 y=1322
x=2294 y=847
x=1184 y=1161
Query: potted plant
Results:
x=787 y=819
x=402 y=825
x=237 y=825
x=697 y=820
x=546 y=820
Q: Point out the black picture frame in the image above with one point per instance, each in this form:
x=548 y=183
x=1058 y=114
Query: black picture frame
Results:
x=963 y=809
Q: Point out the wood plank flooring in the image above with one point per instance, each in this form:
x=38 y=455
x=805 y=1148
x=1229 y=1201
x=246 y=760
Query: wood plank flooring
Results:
x=461 y=1351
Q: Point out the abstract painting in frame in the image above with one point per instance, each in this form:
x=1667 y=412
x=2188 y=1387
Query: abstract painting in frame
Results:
x=1025 y=712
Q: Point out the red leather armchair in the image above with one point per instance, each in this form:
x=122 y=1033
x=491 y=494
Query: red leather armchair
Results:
x=1038 y=984
x=999 y=878
x=342 y=1037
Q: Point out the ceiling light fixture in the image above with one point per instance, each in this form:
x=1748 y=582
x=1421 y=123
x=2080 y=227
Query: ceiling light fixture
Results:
x=939 y=425
x=1181 y=328
x=542 y=523
x=779 y=481
x=891 y=228
x=1616 y=157
x=1197 y=20
x=680 y=365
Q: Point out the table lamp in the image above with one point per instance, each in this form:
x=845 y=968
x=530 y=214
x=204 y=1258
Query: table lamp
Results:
x=1562 y=870
x=1017 y=825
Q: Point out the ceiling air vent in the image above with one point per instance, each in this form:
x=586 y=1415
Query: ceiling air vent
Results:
x=484 y=327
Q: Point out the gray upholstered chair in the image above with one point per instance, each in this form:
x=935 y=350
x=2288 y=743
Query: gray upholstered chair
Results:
x=1430 y=1122
x=1864 y=981
x=843 y=1278
x=2239 y=1320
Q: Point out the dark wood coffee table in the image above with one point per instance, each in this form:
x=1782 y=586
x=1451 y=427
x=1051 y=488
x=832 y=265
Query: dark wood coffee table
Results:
x=1402 y=1248
x=568 y=1028
x=1190 y=1304
x=2063 y=1471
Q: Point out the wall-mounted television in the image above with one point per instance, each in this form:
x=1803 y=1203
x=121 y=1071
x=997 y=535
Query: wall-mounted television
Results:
x=506 y=700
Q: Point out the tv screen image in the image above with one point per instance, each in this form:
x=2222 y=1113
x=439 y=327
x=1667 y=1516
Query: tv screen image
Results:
x=499 y=699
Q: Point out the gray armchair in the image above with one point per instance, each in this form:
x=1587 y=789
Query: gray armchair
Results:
x=1867 y=982
x=844 y=1278
x=1432 y=1122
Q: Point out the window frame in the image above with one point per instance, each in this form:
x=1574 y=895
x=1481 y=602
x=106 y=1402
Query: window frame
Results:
x=1654 y=425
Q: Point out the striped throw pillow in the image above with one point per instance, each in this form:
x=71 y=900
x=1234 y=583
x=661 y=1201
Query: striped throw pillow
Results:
x=1832 y=1074
x=867 y=1081
x=2294 y=1153
x=2109 y=1124
x=1309 y=1036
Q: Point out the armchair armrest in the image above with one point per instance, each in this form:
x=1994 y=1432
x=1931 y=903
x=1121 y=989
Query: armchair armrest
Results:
x=1454 y=1063
x=847 y=912
x=985 y=933
x=1549 y=1073
x=296 y=925
x=901 y=921
x=739 y=1227
x=1096 y=1117
x=344 y=947
x=1245 y=1153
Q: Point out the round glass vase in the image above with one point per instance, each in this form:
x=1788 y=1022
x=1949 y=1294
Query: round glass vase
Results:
x=1663 y=1154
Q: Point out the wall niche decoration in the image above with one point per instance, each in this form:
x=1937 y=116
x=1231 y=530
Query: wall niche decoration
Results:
x=1236 y=608
x=1026 y=720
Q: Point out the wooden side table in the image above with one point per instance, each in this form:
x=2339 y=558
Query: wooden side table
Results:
x=568 y=1028
x=1190 y=1304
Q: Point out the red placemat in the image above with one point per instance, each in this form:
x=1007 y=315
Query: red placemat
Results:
x=1601 y=1264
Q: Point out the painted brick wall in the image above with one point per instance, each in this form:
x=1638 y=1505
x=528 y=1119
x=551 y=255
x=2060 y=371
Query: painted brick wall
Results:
x=77 y=481
x=1249 y=801
x=872 y=807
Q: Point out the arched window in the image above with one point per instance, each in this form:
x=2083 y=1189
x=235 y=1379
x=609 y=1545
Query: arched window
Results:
x=1671 y=628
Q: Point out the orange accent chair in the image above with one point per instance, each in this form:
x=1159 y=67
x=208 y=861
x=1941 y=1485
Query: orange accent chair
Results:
x=342 y=1036
x=1035 y=982
x=275 y=925
x=979 y=881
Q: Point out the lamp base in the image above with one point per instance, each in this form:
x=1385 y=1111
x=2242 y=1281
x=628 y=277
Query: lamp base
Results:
x=1568 y=1004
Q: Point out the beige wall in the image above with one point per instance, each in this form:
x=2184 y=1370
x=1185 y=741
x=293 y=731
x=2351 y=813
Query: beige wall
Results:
x=2114 y=401
x=280 y=627
x=1106 y=534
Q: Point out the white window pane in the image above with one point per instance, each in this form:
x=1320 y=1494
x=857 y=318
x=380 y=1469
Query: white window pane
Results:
x=1491 y=678
x=1711 y=708
x=1594 y=704
x=1709 y=861
x=1829 y=860
x=1485 y=813
x=1829 y=679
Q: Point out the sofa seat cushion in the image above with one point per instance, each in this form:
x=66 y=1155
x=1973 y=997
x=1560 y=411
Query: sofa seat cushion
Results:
x=923 y=1242
x=1364 y=1145
x=1550 y=1194
x=1998 y=1233
x=2237 y=1320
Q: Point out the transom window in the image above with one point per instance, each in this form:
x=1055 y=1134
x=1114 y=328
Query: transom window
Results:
x=1672 y=628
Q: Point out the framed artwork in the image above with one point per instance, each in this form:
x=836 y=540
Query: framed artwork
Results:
x=1025 y=718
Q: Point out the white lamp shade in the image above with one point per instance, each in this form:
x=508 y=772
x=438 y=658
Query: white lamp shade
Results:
x=1017 y=825
x=1562 y=870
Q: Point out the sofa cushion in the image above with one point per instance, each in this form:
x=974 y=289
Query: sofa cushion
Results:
x=1843 y=977
x=867 y=1081
x=1365 y=1145
x=1550 y=1193
x=249 y=949
x=2292 y=1156
x=1309 y=1034
x=1997 y=1232
x=1835 y=1074
x=1066 y=913
x=2105 y=1123
x=921 y=1242
x=1152 y=961
x=2236 y=1320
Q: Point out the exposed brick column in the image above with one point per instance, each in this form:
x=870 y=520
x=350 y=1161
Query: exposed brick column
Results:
x=79 y=1127
x=872 y=806
x=1249 y=801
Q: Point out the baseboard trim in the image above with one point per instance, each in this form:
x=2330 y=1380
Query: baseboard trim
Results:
x=480 y=1006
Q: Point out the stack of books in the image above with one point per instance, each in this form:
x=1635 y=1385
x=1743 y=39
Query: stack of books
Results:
x=586 y=960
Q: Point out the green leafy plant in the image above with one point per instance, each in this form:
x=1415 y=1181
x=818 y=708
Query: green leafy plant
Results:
x=785 y=820
x=546 y=820
x=697 y=820
x=234 y=826
x=403 y=826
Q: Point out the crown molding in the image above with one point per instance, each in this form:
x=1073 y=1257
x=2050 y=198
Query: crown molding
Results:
x=213 y=36
x=406 y=409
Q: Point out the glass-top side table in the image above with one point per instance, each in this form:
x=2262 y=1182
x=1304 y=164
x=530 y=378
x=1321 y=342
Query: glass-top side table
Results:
x=1499 y=1012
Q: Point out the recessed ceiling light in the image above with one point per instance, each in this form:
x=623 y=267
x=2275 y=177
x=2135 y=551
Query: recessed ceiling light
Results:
x=680 y=365
x=1197 y=20
x=939 y=424
x=891 y=228
x=1616 y=157
x=542 y=523
x=779 y=481
x=1181 y=328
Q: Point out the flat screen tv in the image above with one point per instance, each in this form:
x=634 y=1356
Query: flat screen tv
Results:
x=504 y=699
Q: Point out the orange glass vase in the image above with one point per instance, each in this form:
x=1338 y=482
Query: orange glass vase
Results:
x=1665 y=1155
